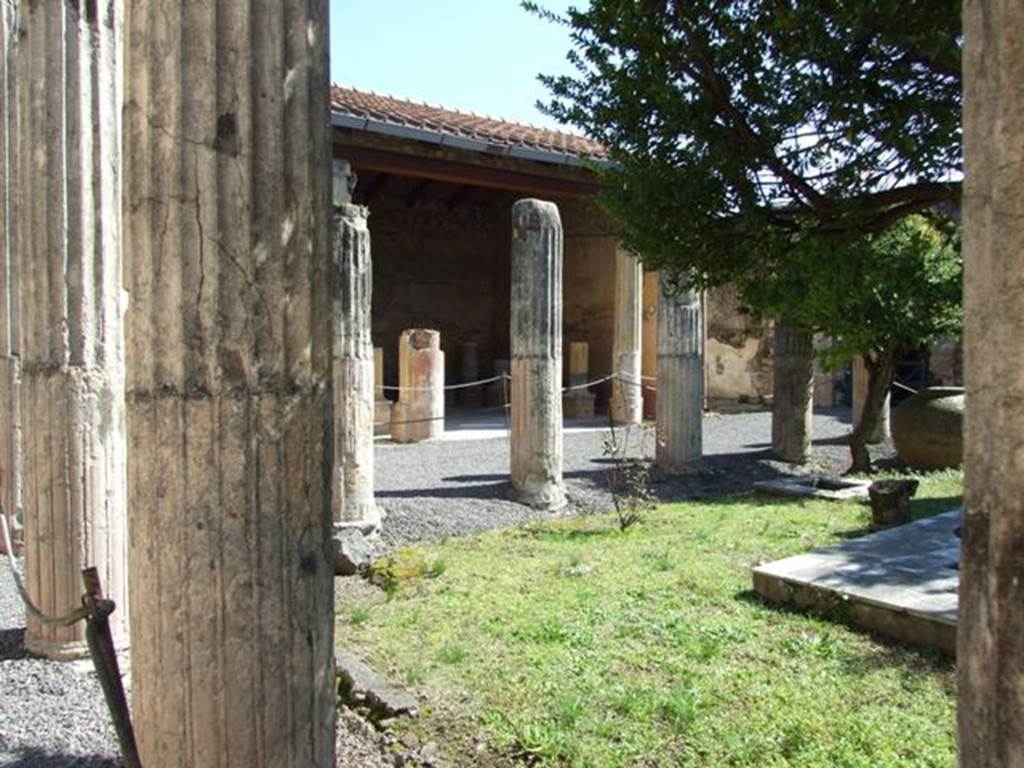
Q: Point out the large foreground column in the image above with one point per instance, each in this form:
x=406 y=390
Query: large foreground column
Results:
x=680 y=405
x=627 y=402
x=419 y=413
x=536 y=325
x=990 y=650
x=10 y=432
x=229 y=382
x=353 y=371
x=860 y=393
x=72 y=355
x=793 y=398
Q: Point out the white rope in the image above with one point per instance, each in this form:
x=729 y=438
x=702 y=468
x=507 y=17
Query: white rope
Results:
x=448 y=387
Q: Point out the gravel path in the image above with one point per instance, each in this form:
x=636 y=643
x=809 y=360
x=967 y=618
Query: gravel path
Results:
x=433 y=491
x=53 y=714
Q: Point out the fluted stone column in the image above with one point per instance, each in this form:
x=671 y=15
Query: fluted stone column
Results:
x=227 y=222
x=793 y=400
x=471 y=397
x=10 y=431
x=353 y=372
x=860 y=393
x=990 y=649
x=419 y=413
x=680 y=404
x=67 y=255
x=536 y=327
x=627 y=402
x=578 y=402
x=381 y=404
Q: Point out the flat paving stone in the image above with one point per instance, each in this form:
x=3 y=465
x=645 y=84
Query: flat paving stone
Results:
x=816 y=487
x=901 y=582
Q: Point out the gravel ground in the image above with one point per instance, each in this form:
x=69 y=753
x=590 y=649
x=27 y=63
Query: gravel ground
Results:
x=53 y=714
x=433 y=491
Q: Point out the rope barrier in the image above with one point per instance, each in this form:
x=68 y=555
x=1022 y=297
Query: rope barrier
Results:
x=446 y=387
x=904 y=386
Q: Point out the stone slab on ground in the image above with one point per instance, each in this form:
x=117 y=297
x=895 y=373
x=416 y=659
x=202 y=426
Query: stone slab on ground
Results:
x=362 y=687
x=816 y=486
x=901 y=582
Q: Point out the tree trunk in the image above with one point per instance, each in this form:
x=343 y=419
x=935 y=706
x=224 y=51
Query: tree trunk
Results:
x=881 y=371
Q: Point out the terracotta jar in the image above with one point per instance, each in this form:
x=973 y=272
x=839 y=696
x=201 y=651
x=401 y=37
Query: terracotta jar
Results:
x=928 y=428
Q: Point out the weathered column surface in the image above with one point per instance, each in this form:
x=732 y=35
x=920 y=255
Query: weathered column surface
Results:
x=10 y=432
x=419 y=413
x=860 y=393
x=793 y=398
x=68 y=254
x=990 y=650
x=470 y=397
x=227 y=246
x=680 y=404
x=578 y=402
x=627 y=402
x=536 y=326
x=353 y=370
x=381 y=404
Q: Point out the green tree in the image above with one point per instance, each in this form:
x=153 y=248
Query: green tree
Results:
x=755 y=138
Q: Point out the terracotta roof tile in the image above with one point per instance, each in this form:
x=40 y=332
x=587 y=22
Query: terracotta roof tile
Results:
x=367 y=104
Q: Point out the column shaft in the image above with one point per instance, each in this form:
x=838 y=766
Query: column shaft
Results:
x=680 y=403
x=419 y=413
x=578 y=402
x=627 y=402
x=68 y=254
x=536 y=325
x=793 y=400
x=990 y=651
x=230 y=422
x=353 y=371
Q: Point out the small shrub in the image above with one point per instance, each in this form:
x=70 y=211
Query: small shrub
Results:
x=628 y=481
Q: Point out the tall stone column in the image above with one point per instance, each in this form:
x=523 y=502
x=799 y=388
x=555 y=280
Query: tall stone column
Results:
x=353 y=372
x=68 y=257
x=536 y=326
x=10 y=432
x=990 y=651
x=627 y=402
x=228 y=253
x=860 y=393
x=793 y=399
x=680 y=404
x=419 y=413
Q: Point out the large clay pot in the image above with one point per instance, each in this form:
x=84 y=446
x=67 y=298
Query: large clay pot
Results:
x=928 y=428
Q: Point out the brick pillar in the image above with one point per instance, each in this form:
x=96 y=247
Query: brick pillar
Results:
x=419 y=413
x=793 y=400
x=68 y=258
x=353 y=369
x=536 y=326
x=627 y=403
x=990 y=651
x=227 y=222
x=680 y=404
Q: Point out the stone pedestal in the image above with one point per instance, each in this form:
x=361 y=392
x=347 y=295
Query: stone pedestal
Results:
x=990 y=651
x=860 y=392
x=680 y=404
x=68 y=258
x=228 y=254
x=578 y=403
x=353 y=372
x=497 y=393
x=536 y=327
x=793 y=400
x=419 y=413
x=470 y=397
x=381 y=404
x=627 y=402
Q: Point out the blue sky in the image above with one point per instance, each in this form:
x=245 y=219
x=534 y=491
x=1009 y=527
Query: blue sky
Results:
x=481 y=56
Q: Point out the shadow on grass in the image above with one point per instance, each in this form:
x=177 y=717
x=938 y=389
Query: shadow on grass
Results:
x=889 y=653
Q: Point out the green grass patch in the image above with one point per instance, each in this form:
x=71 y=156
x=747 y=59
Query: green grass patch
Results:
x=572 y=644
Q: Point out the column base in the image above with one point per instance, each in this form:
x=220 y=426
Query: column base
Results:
x=72 y=650
x=544 y=496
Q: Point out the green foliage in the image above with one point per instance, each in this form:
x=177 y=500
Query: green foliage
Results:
x=628 y=479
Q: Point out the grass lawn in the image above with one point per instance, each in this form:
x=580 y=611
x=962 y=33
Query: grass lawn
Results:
x=572 y=644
